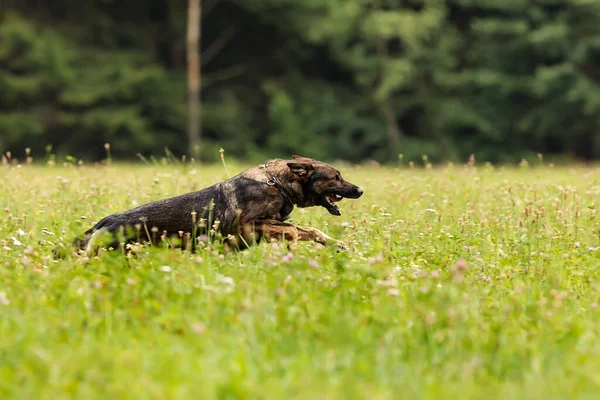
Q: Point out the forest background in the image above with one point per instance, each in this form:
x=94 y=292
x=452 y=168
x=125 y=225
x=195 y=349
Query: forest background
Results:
x=331 y=79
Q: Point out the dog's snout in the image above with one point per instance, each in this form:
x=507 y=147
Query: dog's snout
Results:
x=359 y=191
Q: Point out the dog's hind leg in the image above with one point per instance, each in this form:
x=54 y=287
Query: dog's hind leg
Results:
x=86 y=242
x=91 y=242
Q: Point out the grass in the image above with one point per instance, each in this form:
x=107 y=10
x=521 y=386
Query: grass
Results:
x=460 y=282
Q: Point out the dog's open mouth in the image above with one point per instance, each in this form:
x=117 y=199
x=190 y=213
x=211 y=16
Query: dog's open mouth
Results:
x=330 y=206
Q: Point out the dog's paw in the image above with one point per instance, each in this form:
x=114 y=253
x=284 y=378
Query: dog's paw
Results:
x=341 y=246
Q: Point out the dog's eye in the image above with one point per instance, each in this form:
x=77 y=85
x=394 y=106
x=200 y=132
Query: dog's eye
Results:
x=337 y=178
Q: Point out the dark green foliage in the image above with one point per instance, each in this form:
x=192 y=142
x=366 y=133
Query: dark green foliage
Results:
x=55 y=92
x=334 y=79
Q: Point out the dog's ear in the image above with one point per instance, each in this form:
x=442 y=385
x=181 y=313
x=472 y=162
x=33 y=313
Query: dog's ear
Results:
x=302 y=169
x=303 y=159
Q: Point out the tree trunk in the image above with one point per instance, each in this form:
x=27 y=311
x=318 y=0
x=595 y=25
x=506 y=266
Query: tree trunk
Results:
x=394 y=133
x=194 y=77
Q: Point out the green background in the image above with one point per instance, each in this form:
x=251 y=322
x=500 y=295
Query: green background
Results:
x=331 y=79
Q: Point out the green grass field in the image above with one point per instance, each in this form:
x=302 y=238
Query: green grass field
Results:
x=460 y=282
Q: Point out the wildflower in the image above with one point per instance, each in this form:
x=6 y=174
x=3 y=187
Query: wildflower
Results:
x=226 y=282
x=3 y=299
x=198 y=328
x=430 y=319
x=460 y=265
x=166 y=268
x=83 y=260
x=374 y=260
x=387 y=282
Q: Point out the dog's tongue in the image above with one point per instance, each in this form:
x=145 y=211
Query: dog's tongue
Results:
x=333 y=209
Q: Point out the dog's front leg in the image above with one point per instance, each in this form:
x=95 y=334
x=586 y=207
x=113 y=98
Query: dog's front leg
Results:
x=313 y=234
x=272 y=229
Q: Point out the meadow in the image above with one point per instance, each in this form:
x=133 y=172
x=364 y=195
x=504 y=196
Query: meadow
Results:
x=460 y=281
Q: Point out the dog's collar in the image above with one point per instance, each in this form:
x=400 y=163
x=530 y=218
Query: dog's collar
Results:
x=273 y=181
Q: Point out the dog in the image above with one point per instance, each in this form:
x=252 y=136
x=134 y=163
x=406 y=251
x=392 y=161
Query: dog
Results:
x=245 y=209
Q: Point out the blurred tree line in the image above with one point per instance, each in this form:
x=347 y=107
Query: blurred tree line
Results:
x=333 y=79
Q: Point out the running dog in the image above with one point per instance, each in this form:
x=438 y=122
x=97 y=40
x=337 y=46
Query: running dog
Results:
x=245 y=209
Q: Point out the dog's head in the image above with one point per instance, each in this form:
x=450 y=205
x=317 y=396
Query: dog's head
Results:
x=322 y=185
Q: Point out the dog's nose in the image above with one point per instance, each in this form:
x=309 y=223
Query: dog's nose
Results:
x=359 y=191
